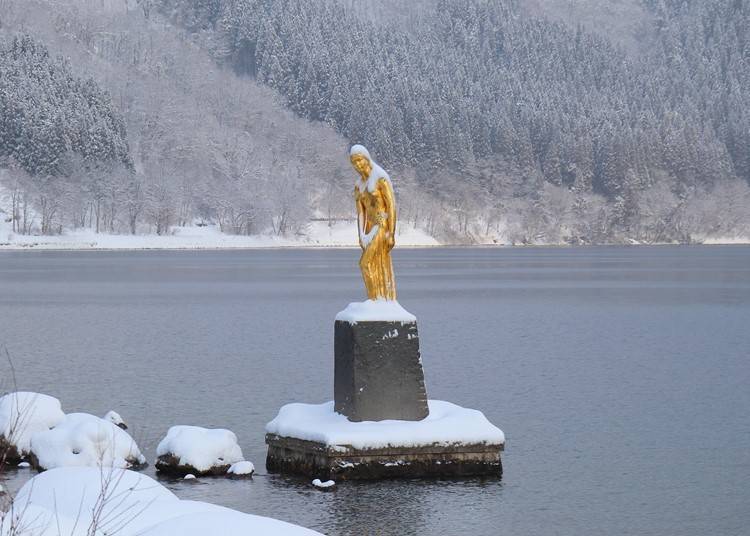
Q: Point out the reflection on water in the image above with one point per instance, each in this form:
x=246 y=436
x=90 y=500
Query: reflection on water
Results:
x=618 y=374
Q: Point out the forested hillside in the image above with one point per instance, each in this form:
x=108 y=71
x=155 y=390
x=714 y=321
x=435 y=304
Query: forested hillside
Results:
x=198 y=143
x=52 y=123
x=498 y=121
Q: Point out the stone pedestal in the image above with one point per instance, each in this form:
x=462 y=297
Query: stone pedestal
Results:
x=380 y=423
x=378 y=371
x=318 y=460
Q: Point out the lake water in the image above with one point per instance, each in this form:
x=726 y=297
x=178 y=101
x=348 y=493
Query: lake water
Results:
x=621 y=376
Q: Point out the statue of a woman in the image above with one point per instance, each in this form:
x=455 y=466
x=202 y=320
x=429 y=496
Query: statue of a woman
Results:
x=376 y=224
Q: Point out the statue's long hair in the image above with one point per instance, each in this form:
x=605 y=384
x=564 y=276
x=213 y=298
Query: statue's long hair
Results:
x=376 y=172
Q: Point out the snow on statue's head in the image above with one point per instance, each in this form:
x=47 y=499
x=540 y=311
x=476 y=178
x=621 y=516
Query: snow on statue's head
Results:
x=361 y=150
x=366 y=166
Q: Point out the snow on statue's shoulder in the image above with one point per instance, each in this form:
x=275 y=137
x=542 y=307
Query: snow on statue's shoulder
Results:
x=375 y=311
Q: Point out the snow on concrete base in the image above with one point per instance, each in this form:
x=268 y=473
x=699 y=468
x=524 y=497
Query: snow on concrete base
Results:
x=67 y=501
x=81 y=439
x=198 y=450
x=24 y=414
x=375 y=311
x=446 y=425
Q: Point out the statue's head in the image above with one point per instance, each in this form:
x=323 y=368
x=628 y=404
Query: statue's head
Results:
x=360 y=159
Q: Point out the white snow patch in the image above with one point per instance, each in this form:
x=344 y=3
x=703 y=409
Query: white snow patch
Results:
x=189 y=476
x=201 y=448
x=317 y=234
x=23 y=414
x=63 y=501
x=24 y=465
x=367 y=237
x=327 y=484
x=242 y=468
x=447 y=424
x=726 y=240
x=114 y=418
x=81 y=439
x=375 y=310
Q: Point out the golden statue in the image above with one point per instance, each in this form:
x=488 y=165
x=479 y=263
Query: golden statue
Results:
x=376 y=224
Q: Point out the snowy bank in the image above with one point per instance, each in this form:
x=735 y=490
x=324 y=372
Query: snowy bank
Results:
x=317 y=234
x=81 y=439
x=82 y=501
x=375 y=311
x=446 y=425
x=198 y=451
x=22 y=415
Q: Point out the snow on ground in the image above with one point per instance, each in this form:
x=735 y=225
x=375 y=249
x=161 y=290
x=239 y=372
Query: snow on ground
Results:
x=78 y=501
x=24 y=414
x=447 y=424
x=81 y=439
x=201 y=448
x=318 y=234
x=374 y=311
x=726 y=240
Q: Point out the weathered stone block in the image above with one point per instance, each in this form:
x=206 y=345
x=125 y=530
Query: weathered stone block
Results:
x=317 y=460
x=378 y=371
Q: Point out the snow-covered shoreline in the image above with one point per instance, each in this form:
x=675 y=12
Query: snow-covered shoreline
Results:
x=318 y=235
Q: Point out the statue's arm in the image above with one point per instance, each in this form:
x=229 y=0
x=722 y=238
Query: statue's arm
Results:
x=390 y=209
x=360 y=218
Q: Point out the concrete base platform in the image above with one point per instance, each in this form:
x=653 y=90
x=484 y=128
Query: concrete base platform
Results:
x=317 y=460
x=316 y=441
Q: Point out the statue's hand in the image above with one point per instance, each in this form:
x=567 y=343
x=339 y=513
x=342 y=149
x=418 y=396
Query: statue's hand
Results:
x=391 y=241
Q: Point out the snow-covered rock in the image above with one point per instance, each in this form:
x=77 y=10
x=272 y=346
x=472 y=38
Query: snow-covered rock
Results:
x=241 y=469
x=22 y=415
x=325 y=486
x=81 y=439
x=196 y=450
x=67 y=500
x=375 y=311
x=114 y=418
x=446 y=425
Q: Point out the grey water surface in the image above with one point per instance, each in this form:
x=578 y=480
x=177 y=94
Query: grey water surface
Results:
x=621 y=376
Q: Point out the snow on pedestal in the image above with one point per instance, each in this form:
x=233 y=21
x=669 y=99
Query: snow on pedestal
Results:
x=447 y=424
x=22 y=415
x=313 y=439
x=196 y=450
x=375 y=311
x=81 y=439
x=69 y=501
